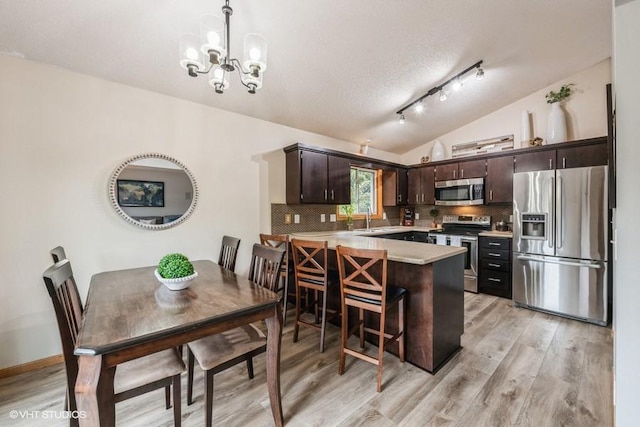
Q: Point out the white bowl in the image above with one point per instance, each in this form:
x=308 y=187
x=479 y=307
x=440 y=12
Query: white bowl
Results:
x=176 y=284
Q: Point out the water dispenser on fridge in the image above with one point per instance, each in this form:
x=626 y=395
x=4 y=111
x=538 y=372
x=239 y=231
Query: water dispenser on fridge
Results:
x=534 y=226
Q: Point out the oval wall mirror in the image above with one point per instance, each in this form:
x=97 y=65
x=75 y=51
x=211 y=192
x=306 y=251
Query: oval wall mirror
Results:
x=153 y=191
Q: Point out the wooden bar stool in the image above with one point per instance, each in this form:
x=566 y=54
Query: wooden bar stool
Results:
x=311 y=275
x=363 y=285
x=281 y=241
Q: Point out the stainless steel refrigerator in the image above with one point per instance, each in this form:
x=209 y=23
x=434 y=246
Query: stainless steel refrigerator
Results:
x=560 y=242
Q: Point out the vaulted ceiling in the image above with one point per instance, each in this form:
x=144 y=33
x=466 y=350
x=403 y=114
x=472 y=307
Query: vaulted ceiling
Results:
x=337 y=68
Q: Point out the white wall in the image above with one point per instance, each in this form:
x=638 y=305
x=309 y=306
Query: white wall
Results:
x=586 y=113
x=61 y=136
x=627 y=287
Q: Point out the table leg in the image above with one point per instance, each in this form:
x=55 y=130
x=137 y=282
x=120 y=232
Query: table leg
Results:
x=274 y=337
x=94 y=393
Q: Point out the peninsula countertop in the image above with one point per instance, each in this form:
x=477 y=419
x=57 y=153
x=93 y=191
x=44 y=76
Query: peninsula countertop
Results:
x=397 y=250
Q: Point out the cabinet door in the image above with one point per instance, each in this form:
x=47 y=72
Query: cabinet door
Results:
x=579 y=157
x=427 y=186
x=536 y=161
x=414 y=193
x=394 y=187
x=446 y=172
x=403 y=183
x=472 y=169
x=339 y=180
x=313 y=171
x=499 y=182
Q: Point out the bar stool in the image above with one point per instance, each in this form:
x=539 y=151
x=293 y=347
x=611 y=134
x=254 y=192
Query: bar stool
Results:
x=311 y=275
x=363 y=285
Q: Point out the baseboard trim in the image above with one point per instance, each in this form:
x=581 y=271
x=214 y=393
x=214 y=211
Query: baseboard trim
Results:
x=31 y=366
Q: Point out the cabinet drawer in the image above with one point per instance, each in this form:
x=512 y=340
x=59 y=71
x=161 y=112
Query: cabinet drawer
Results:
x=495 y=243
x=495 y=283
x=495 y=265
x=495 y=254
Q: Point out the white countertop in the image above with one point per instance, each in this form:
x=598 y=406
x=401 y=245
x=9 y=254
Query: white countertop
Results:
x=397 y=250
x=496 y=233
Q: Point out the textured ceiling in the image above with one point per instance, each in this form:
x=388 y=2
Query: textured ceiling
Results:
x=337 y=68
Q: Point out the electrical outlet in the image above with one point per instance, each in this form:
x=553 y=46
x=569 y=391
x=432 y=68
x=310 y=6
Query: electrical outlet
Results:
x=384 y=215
x=332 y=218
x=287 y=219
x=323 y=218
x=296 y=219
x=417 y=215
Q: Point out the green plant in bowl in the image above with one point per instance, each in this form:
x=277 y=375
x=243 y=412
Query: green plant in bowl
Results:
x=433 y=213
x=175 y=266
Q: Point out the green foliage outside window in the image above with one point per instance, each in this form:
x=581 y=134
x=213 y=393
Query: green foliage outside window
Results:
x=363 y=193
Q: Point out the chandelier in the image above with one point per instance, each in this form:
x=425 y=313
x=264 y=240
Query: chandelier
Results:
x=213 y=47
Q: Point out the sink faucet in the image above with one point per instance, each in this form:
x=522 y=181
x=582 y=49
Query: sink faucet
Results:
x=368 y=217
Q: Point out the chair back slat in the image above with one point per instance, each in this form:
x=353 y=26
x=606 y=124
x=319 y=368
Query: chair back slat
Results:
x=229 y=252
x=265 y=266
x=278 y=241
x=58 y=254
x=364 y=274
x=310 y=260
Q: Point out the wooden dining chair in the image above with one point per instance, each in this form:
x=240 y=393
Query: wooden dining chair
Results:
x=310 y=260
x=221 y=351
x=363 y=285
x=133 y=378
x=286 y=270
x=229 y=252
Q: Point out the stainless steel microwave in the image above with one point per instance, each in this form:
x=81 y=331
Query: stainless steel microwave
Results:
x=460 y=192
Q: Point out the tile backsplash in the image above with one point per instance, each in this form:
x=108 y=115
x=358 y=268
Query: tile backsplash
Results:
x=310 y=216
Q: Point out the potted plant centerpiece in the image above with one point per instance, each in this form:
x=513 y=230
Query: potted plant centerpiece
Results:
x=557 y=125
x=175 y=271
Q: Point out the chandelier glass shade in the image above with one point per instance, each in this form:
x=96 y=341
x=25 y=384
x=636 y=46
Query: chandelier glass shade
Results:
x=210 y=54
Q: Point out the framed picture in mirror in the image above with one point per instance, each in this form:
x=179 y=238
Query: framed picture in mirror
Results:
x=133 y=193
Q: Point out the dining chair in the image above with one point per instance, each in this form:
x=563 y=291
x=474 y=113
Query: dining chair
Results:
x=363 y=285
x=310 y=260
x=133 y=378
x=286 y=269
x=221 y=351
x=229 y=252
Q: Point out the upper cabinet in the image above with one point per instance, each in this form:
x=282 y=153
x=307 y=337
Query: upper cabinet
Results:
x=591 y=152
x=462 y=170
x=421 y=186
x=499 y=181
x=314 y=177
x=394 y=187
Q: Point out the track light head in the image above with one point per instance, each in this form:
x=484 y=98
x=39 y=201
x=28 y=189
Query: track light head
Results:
x=401 y=120
x=480 y=74
x=442 y=96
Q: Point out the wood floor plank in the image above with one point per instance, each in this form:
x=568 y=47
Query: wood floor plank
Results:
x=517 y=367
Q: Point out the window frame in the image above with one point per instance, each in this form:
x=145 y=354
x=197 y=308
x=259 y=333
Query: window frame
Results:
x=378 y=190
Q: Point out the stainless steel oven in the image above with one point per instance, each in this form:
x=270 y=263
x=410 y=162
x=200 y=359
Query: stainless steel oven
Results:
x=462 y=230
x=461 y=192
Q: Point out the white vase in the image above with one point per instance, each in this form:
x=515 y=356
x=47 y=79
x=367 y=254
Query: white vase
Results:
x=556 y=125
x=437 y=151
x=526 y=129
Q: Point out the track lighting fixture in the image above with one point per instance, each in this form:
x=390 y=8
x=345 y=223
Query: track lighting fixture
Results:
x=455 y=82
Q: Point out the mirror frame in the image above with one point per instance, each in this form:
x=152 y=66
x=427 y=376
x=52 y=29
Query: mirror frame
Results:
x=113 y=191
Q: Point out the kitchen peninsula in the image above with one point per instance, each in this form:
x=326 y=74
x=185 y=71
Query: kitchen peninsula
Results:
x=434 y=277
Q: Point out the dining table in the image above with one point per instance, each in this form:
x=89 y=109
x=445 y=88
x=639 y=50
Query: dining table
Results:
x=129 y=314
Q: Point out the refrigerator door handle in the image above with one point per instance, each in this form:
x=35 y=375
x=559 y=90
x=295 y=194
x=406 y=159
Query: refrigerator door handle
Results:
x=568 y=263
x=552 y=202
x=560 y=214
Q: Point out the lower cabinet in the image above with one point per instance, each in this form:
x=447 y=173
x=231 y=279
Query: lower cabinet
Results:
x=494 y=271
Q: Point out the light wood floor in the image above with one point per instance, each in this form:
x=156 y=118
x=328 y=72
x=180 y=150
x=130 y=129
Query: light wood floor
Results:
x=517 y=368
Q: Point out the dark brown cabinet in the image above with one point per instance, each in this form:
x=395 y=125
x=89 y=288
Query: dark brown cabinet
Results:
x=461 y=170
x=494 y=272
x=536 y=161
x=394 y=187
x=319 y=178
x=590 y=154
x=421 y=186
x=499 y=182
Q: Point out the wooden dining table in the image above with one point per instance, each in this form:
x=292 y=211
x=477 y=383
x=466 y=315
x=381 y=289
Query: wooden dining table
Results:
x=130 y=314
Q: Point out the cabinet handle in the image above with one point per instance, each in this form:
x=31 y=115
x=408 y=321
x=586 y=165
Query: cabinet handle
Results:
x=550 y=163
x=493 y=254
x=325 y=194
x=399 y=197
x=494 y=280
x=462 y=173
x=490 y=194
x=332 y=195
x=454 y=174
x=564 y=163
x=417 y=198
x=422 y=197
x=493 y=265
x=494 y=244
